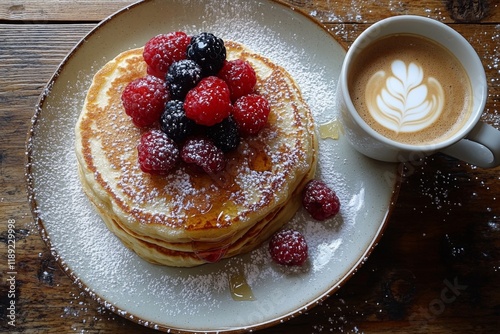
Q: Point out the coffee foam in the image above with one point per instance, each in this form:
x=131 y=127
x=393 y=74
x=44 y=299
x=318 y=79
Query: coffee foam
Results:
x=405 y=101
x=410 y=89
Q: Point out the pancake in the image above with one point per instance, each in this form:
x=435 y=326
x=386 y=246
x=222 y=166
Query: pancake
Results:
x=188 y=218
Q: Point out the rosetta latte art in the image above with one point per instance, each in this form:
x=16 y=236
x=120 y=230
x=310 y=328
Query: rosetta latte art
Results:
x=405 y=101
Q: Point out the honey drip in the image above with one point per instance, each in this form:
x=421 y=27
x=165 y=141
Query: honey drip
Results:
x=329 y=129
x=240 y=290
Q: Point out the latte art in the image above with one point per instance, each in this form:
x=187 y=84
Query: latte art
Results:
x=405 y=101
x=410 y=90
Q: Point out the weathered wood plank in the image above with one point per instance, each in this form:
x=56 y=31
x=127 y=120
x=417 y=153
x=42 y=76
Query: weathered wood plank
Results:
x=371 y=11
x=59 y=10
x=357 y=11
x=29 y=55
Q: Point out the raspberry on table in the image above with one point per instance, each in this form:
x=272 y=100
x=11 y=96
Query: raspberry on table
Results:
x=174 y=121
x=288 y=247
x=209 y=102
x=208 y=51
x=225 y=134
x=202 y=152
x=320 y=201
x=251 y=113
x=239 y=76
x=158 y=154
x=163 y=50
x=144 y=100
x=182 y=76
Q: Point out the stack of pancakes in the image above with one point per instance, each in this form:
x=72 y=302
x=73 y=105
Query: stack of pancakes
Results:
x=188 y=218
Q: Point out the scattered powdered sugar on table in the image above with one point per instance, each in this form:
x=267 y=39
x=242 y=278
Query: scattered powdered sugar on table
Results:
x=129 y=286
x=492 y=59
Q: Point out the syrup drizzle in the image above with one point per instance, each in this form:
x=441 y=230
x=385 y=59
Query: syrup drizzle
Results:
x=330 y=129
x=240 y=290
x=213 y=251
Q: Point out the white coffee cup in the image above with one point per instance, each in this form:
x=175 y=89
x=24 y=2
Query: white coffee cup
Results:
x=475 y=142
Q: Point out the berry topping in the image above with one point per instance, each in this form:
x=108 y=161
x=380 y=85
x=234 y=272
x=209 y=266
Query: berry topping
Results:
x=208 y=51
x=209 y=102
x=250 y=113
x=239 y=76
x=320 y=201
x=225 y=134
x=144 y=100
x=174 y=122
x=288 y=247
x=158 y=154
x=163 y=50
x=183 y=76
x=203 y=153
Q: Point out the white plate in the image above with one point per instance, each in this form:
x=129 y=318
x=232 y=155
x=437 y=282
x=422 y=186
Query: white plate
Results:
x=199 y=299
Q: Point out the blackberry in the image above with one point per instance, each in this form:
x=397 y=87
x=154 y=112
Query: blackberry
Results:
x=174 y=122
x=208 y=51
x=181 y=77
x=225 y=134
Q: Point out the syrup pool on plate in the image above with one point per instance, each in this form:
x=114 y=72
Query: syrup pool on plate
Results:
x=330 y=129
x=240 y=290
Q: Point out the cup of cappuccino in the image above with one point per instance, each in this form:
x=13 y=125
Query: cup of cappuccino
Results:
x=411 y=86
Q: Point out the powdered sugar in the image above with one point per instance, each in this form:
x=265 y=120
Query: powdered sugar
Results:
x=199 y=298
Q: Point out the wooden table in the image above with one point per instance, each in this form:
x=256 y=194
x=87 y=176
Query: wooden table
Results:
x=436 y=269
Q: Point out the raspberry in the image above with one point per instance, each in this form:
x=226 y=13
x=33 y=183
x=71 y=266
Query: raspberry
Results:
x=182 y=76
x=225 y=134
x=174 y=122
x=158 y=154
x=320 y=201
x=288 y=247
x=144 y=100
x=203 y=153
x=239 y=76
x=163 y=50
x=208 y=51
x=250 y=113
x=209 y=102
